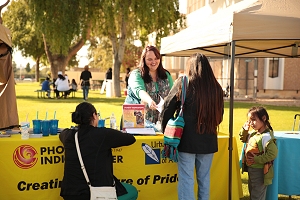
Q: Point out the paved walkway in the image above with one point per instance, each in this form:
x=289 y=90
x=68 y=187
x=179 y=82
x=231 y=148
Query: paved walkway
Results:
x=276 y=102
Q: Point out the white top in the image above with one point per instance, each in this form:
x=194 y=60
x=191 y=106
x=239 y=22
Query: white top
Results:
x=62 y=85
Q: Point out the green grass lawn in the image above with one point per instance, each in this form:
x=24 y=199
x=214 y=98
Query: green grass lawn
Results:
x=281 y=117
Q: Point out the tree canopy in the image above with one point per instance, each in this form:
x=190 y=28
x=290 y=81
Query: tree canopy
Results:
x=66 y=25
x=119 y=20
x=25 y=36
x=63 y=22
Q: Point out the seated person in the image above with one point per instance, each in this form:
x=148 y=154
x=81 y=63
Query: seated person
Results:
x=46 y=86
x=73 y=86
x=96 y=146
x=62 y=85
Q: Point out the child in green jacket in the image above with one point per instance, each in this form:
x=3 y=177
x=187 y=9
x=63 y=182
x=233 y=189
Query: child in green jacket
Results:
x=260 y=152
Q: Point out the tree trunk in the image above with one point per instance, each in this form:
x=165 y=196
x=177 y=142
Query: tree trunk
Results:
x=58 y=62
x=37 y=69
x=116 y=77
x=118 y=45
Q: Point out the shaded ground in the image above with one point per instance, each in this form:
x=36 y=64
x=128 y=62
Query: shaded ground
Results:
x=276 y=102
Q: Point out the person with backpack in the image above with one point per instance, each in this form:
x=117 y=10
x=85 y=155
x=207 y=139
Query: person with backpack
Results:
x=259 y=152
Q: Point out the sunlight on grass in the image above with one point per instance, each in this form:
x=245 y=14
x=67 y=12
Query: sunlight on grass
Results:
x=28 y=103
x=281 y=117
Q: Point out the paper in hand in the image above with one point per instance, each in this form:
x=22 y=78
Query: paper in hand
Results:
x=160 y=104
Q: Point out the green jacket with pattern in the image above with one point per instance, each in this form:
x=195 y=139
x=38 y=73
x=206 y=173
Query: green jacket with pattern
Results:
x=263 y=147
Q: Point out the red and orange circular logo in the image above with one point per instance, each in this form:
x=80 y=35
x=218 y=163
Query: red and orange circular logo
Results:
x=25 y=156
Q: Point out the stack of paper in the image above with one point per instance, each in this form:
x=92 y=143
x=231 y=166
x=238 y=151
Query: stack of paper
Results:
x=140 y=131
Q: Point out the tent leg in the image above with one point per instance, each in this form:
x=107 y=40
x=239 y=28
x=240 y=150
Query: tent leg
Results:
x=231 y=118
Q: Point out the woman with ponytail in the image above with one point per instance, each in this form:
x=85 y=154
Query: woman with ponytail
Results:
x=96 y=148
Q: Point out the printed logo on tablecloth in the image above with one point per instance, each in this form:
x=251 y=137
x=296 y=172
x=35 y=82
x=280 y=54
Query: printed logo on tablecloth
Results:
x=24 y=156
x=152 y=156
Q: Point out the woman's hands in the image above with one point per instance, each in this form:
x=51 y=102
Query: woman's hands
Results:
x=152 y=105
x=145 y=97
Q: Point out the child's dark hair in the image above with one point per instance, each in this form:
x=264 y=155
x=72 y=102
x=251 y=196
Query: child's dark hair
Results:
x=83 y=114
x=260 y=112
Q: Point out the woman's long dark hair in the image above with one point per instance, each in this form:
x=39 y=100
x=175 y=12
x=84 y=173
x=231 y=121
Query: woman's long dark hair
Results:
x=74 y=82
x=161 y=72
x=206 y=92
x=260 y=112
x=83 y=114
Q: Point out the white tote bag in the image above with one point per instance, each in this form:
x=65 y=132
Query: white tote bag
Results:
x=105 y=193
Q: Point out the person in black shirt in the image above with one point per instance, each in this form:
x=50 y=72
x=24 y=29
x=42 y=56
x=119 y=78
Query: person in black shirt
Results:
x=108 y=74
x=127 y=76
x=85 y=81
x=203 y=112
x=96 y=148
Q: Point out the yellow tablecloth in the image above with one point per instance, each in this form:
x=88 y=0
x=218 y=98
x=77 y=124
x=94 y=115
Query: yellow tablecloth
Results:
x=33 y=169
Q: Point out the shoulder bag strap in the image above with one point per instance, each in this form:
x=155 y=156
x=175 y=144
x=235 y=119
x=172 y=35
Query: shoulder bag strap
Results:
x=183 y=94
x=80 y=159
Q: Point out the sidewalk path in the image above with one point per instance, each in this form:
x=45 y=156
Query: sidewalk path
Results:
x=274 y=102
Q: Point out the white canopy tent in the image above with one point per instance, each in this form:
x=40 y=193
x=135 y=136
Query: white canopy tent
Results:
x=260 y=28
x=250 y=28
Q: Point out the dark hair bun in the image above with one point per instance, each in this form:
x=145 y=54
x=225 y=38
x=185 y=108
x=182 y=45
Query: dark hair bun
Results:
x=76 y=118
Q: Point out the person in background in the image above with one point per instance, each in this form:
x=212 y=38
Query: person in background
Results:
x=46 y=86
x=53 y=84
x=202 y=112
x=85 y=81
x=48 y=74
x=181 y=73
x=259 y=152
x=149 y=83
x=108 y=75
x=127 y=76
x=73 y=85
x=61 y=85
x=96 y=148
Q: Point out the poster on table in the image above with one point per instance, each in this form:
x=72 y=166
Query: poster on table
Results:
x=133 y=116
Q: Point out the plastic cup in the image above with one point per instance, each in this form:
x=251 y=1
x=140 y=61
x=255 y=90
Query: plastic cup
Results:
x=45 y=124
x=101 y=123
x=36 y=126
x=53 y=126
x=24 y=130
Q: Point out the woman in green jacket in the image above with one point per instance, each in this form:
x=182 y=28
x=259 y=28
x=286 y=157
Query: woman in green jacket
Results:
x=149 y=83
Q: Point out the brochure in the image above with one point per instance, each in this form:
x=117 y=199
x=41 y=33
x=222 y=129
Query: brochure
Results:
x=133 y=116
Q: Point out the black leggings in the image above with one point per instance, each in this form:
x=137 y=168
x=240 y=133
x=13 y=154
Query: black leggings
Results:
x=57 y=93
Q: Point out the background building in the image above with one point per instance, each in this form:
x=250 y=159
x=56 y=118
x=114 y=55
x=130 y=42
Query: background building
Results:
x=254 y=77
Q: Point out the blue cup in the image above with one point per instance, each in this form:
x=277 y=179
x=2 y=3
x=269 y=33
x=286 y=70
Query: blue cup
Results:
x=45 y=124
x=53 y=126
x=36 y=126
x=101 y=123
